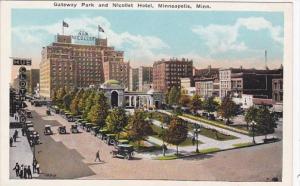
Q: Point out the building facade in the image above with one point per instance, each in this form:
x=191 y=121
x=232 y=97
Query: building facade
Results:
x=145 y=78
x=133 y=79
x=70 y=63
x=33 y=80
x=117 y=70
x=167 y=73
x=277 y=92
x=207 y=82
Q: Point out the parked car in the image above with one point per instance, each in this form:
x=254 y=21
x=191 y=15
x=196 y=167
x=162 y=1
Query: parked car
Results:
x=74 y=128
x=110 y=139
x=123 y=150
x=62 y=130
x=47 y=130
x=28 y=114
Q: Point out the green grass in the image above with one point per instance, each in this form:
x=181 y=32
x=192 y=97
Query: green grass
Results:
x=209 y=150
x=217 y=124
x=168 y=157
x=157 y=130
x=243 y=144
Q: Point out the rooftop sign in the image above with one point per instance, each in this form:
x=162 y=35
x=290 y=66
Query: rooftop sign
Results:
x=83 y=36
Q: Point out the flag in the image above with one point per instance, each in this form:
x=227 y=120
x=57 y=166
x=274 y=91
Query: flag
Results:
x=100 y=29
x=65 y=24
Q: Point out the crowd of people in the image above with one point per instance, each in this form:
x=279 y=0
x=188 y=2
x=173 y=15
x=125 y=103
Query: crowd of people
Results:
x=24 y=171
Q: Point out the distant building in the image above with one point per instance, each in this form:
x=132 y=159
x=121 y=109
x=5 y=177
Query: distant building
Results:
x=145 y=78
x=258 y=83
x=207 y=82
x=187 y=86
x=117 y=70
x=134 y=79
x=167 y=73
x=69 y=62
x=245 y=101
x=33 y=79
x=277 y=90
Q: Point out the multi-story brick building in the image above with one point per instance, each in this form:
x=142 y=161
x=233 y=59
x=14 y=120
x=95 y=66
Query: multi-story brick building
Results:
x=207 y=82
x=67 y=63
x=117 y=70
x=145 y=78
x=258 y=83
x=33 y=79
x=277 y=90
x=134 y=79
x=167 y=73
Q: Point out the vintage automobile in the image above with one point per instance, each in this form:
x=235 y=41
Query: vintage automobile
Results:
x=62 y=130
x=47 y=130
x=122 y=141
x=28 y=114
x=95 y=130
x=110 y=139
x=48 y=112
x=83 y=123
x=123 y=150
x=74 y=128
x=102 y=134
x=88 y=126
x=34 y=138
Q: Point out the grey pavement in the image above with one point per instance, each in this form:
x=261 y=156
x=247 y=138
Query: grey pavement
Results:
x=20 y=153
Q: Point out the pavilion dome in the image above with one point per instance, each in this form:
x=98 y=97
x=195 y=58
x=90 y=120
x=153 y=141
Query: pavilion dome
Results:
x=112 y=84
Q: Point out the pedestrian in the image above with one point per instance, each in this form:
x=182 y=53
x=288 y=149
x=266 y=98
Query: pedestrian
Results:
x=23 y=132
x=34 y=166
x=98 y=156
x=15 y=137
x=21 y=173
x=16 y=133
x=25 y=172
x=29 y=172
x=11 y=141
x=17 y=169
x=37 y=167
x=193 y=141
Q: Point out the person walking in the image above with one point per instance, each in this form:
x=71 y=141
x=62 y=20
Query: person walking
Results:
x=15 y=137
x=21 y=173
x=16 y=133
x=98 y=156
x=29 y=172
x=17 y=169
x=11 y=141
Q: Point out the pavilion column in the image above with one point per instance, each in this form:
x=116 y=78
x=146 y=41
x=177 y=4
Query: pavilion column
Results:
x=134 y=101
x=129 y=101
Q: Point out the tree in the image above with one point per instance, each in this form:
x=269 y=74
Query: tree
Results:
x=174 y=95
x=185 y=100
x=67 y=99
x=210 y=105
x=117 y=120
x=54 y=96
x=93 y=114
x=102 y=101
x=139 y=127
x=228 y=109
x=61 y=92
x=82 y=100
x=196 y=103
x=88 y=104
x=176 y=133
x=266 y=121
x=74 y=107
x=250 y=115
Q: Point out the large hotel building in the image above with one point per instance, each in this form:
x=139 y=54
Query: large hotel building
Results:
x=167 y=73
x=66 y=63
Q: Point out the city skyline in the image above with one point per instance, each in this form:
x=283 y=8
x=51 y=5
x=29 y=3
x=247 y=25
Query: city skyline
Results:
x=239 y=38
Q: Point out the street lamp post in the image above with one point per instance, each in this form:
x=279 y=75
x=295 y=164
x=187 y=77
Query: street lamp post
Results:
x=196 y=133
x=162 y=137
x=253 y=124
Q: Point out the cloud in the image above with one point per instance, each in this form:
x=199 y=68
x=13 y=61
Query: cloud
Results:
x=38 y=35
x=223 y=38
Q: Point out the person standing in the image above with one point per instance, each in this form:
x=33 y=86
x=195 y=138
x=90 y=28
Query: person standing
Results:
x=98 y=156
x=16 y=133
x=29 y=172
x=37 y=167
x=25 y=172
x=34 y=166
x=17 y=169
x=11 y=141
x=21 y=173
x=15 y=137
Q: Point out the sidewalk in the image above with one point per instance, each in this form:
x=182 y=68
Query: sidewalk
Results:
x=20 y=153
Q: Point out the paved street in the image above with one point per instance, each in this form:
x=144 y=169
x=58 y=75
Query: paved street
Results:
x=72 y=156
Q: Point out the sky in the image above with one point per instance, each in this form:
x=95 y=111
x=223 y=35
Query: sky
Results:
x=216 y=38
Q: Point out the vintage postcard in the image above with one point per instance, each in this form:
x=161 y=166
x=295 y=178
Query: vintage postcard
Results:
x=146 y=92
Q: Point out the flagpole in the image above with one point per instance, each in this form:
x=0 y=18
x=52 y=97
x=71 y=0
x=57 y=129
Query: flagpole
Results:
x=63 y=28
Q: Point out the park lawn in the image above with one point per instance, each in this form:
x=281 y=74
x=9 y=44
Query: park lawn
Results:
x=243 y=144
x=209 y=150
x=157 y=130
x=211 y=134
x=168 y=157
x=217 y=124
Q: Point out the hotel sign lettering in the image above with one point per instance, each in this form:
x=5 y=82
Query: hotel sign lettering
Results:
x=83 y=36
